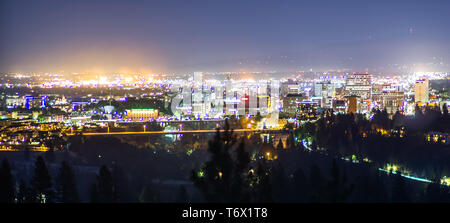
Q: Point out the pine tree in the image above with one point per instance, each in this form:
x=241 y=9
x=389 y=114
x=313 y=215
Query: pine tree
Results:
x=105 y=186
x=225 y=177
x=147 y=196
x=380 y=191
x=66 y=185
x=280 y=184
x=300 y=185
x=399 y=192
x=6 y=183
x=121 y=183
x=94 y=196
x=23 y=195
x=182 y=196
x=50 y=155
x=316 y=184
x=263 y=189
x=434 y=192
x=215 y=178
x=280 y=145
x=42 y=183
x=335 y=183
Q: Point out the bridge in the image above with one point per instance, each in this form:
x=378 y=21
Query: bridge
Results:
x=180 y=132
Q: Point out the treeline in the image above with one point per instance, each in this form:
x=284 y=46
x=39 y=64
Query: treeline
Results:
x=316 y=177
x=300 y=176
x=63 y=188
x=398 y=140
x=41 y=188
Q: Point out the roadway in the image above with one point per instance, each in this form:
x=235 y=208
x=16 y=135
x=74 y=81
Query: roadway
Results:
x=178 y=132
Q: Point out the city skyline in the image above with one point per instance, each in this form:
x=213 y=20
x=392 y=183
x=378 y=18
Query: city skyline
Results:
x=181 y=36
x=224 y=102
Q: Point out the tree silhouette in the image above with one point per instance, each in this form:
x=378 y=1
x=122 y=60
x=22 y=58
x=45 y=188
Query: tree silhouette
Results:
x=263 y=189
x=280 y=145
x=105 y=186
x=42 y=183
x=66 y=187
x=6 y=183
x=316 y=184
x=147 y=196
x=399 y=193
x=337 y=189
x=280 y=183
x=434 y=192
x=226 y=177
x=300 y=183
x=182 y=196
x=94 y=195
x=24 y=195
x=121 y=184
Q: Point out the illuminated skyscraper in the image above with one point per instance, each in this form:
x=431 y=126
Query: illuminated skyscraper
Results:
x=359 y=85
x=198 y=107
x=352 y=104
x=421 y=91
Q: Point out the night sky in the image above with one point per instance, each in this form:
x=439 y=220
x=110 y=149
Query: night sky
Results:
x=212 y=35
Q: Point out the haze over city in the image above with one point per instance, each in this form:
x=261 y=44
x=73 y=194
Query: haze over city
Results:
x=184 y=36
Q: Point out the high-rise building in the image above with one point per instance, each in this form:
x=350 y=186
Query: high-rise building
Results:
x=291 y=103
x=198 y=78
x=359 y=85
x=318 y=89
x=290 y=87
x=352 y=104
x=198 y=107
x=421 y=91
x=392 y=101
x=326 y=91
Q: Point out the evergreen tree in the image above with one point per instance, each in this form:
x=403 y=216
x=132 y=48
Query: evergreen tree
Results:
x=6 y=183
x=105 y=186
x=316 y=184
x=147 y=196
x=335 y=183
x=397 y=119
x=182 y=196
x=433 y=192
x=42 y=183
x=280 y=145
x=418 y=113
x=225 y=177
x=66 y=185
x=338 y=189
x=300 y=185
x=379 y=189
x=50 y=155
x=94 y=196
x=121 y=185
x=399 y=192
x=281 y=187
x=24 y=195
x=263 y=189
